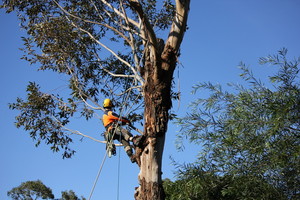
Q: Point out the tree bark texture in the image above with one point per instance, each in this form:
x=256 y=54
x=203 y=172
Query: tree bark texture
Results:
x=158 y=100
x=160 y=63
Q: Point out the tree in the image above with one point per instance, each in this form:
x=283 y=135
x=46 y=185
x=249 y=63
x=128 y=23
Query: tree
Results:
x=70 y=195
x=193 y=183
x=108 y=47
x=30 y=190
x=252 y=130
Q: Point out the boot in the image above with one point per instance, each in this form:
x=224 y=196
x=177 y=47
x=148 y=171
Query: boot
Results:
x=132 y=159
x=129 y=153
x=131 y=156
x=137 y=140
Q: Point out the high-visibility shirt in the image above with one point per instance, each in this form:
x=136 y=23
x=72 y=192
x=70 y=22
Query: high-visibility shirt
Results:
x=109 y=117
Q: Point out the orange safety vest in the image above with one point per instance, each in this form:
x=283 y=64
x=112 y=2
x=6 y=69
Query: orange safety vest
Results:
x=109 y=118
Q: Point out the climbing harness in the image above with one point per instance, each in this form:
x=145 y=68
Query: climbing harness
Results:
x=111 y=148
x=110 y=145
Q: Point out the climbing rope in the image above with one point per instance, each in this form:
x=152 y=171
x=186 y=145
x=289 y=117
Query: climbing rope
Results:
x=97 y=177
x=119 y=168
x=119 y=159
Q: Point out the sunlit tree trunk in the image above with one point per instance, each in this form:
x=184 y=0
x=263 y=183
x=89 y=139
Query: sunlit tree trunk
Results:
x=160 y=63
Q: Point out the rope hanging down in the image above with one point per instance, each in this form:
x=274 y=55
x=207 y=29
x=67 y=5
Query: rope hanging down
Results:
x=97 y=177
x=103 y=161
x=100 y=169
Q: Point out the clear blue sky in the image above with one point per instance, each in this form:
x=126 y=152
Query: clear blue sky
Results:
x=220 y=35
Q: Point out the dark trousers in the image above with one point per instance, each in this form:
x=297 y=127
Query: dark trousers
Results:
x=120 y=134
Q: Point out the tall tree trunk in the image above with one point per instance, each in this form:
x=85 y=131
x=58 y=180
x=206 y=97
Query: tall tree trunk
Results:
x=157 y=93
x=158 y=103
x=160 y=63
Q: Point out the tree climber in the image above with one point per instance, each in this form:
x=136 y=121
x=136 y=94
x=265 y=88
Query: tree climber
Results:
x=112 y=123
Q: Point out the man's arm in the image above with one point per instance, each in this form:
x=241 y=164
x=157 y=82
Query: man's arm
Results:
x=118 y=118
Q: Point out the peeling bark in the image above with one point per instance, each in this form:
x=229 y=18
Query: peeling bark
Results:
x=158 y=100
x=160 y=63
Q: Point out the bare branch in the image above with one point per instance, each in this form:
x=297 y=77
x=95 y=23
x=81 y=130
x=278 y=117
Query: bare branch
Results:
x=118 y=75
x=100 y=16
x=136 y=107
x=128 y=90
x=146 y=26
x=137 y=76
x=179 y=24
x=79 y=133
x=120 y=14
x=132 y=44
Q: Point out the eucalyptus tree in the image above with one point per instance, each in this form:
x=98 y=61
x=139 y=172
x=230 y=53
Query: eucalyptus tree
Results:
x=31 y=190
x=70 y=195
x=112 y=48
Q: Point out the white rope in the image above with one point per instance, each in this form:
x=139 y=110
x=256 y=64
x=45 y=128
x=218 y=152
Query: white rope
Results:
x=119 y=160
x=119 y=167
x=99 y=172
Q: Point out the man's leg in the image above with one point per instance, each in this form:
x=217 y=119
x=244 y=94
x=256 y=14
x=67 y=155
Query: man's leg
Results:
x=126 y=134
x=123 y=137
x=129 y=137
x=128 y=149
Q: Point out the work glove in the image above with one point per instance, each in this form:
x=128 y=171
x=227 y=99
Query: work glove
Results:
x=128 y=124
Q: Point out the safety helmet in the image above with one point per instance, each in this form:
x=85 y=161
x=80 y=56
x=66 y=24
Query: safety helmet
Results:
x=107 y=103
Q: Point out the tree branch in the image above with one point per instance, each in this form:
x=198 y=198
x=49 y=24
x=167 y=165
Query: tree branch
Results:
x=147 y=28
x=132 y=43
x=179 y=25
x=118 y=75
x=79 y=133
x=120 y=14
x=137 y=76
x=93 y=22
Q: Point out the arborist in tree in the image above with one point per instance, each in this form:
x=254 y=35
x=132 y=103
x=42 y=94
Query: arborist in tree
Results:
x=112 y=123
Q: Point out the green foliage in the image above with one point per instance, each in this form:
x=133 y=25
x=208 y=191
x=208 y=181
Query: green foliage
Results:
x=252 y=131
x=60 y=41
x=31 y=190
x=70 y=195
x=193 y=183
x=44 y=116
x=72 y=38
